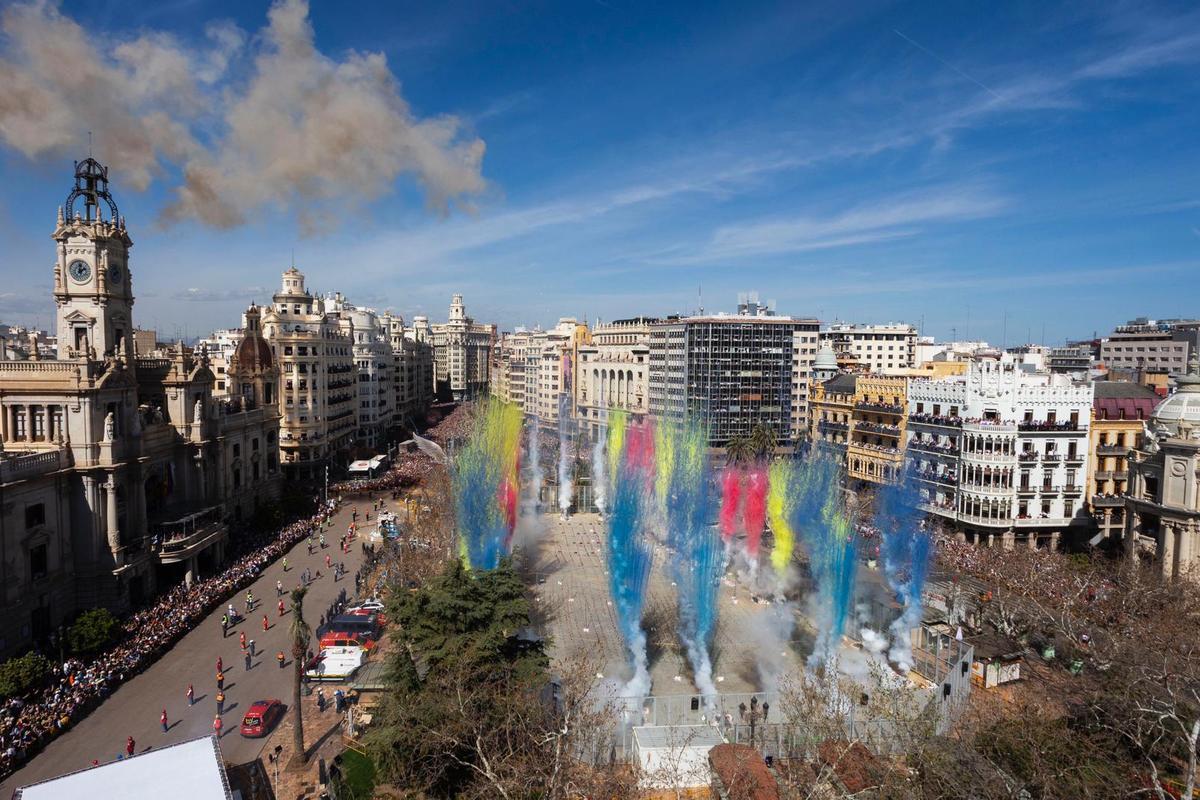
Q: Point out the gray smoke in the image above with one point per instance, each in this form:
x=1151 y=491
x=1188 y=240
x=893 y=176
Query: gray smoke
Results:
x=273 y=123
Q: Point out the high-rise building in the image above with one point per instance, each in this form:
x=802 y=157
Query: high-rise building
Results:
x=1148 y=344
x=462 y=351
x=874 y=348
x=730 y=371
x=1001 y=451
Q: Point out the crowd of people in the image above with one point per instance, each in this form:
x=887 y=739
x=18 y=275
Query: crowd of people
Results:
x=414 y=466
x=75 y=687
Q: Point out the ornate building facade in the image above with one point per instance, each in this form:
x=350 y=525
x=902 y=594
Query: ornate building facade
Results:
x=110 y=481
x=462 y=350
x=1162 y=510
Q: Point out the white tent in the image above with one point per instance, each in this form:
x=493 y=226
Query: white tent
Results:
x=674 y=756
x=191 y=770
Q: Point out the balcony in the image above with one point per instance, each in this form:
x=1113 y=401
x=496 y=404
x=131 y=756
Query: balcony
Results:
x=939 y=420
x=989 y=426
x=1042 y=426
x=181 y=539
x=874 y=427
x=1052 y=458
x=933 y=448
x=1041 y=522
x=944 y=509
x=1026 y=491
x=29 y=464
x=1028 y=457
x=1072 y=491
x=1112 y=450
x=1049 y=491
x=830 y=425
x=1108 y=500
x=881 y=408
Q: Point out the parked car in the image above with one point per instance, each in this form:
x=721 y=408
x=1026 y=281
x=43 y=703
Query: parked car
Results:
x=365 y=624
x=366 y=612
x=261 y=718
x=335 y=663
x=346 y=639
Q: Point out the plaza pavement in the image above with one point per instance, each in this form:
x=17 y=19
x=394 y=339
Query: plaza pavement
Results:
x=134 y=709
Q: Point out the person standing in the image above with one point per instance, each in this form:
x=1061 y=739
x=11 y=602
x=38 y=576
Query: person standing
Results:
x=224 y=625
x=129 y=747
x=251 y=648
x=320 y=699
x=217 y=725
x=246 y=655
x=220 y=702
x=220 y=680
x=242 y=639
x=280 y=658
x=220 y=664
x=279 y=588
x=266 y=622
x=163 y=720
x=281 y=608
x=191 y=695
x=284 y=564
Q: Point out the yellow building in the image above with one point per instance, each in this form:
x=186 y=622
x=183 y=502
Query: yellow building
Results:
x=832 y=411
x=876 y=449
x=1119 y=412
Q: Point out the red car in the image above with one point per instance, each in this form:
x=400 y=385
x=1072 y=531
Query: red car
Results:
x=261 y=717
x=346 y=639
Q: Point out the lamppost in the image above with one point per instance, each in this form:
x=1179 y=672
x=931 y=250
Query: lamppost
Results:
x=326 y=484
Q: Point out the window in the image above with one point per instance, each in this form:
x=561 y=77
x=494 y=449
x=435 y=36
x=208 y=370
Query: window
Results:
x=237 y=450
x=35 y=514
x=38 y=562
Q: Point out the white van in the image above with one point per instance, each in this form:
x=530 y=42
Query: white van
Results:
x=335 y=663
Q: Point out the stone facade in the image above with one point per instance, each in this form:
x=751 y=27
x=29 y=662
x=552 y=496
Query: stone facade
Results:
x=461 y=353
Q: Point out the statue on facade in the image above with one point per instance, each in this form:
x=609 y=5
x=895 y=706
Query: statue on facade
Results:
x=110 y=427
x=198 y=411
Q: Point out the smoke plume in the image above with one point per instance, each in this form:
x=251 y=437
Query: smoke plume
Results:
x=250 y=122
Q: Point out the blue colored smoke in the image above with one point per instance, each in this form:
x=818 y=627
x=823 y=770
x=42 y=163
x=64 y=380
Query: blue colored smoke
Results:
x=905 y=549
x=629 y=562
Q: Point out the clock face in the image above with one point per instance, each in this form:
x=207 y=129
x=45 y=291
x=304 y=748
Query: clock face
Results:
x=114 y=274
x=79 y=270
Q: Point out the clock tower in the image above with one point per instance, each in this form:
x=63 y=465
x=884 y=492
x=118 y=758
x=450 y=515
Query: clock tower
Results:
x=92 y=288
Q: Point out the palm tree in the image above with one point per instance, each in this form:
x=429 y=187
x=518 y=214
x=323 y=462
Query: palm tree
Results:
x=300 y=634
x=738 y=450
x=763 y=440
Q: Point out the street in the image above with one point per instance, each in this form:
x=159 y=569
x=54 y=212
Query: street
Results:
x=134 y=709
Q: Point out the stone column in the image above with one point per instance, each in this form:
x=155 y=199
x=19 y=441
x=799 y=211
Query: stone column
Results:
x=189 y=577
x=1166 y=548
x=1054 y=537
x=1009 y=539
x=4 y=427
x=112 y=524
x=1133 y=521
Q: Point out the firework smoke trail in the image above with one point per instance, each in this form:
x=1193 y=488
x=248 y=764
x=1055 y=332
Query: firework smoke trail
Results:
x=781 y=479
x=731 y=492
x=820 y=518
x=535 y=463
x=486 y=485
x=905 y=550
x=695 y=546
x=629 y=554
x=617 y=423
x=599 y=473
x=565 y=487
x=754 y=512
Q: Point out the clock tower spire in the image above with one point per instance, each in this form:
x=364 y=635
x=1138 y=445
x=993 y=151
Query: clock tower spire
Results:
x=92 y=288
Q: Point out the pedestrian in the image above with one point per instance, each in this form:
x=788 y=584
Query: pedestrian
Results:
x=191 y=695
x=220 y=680
x=339 y=701
x=217 y=725
x=220 y=664
x=242 y=639
x=327 y=560
x=266 y=622
x=163 y=720
x=285 y=563
x=224 y=626
x=279 y=588
x=281 y=608
x=280 y=658
x=246 y=654
x=220 y=702
x=252 y=647
x=249 y=601
x=129 y=747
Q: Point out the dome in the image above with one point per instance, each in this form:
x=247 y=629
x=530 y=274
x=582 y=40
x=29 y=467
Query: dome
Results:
x=1179 y=415
x=253 y=353
x=826 y=358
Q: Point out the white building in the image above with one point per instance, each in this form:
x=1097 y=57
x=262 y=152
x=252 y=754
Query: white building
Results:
x=1001 y=452
x=875 y=348
x=318 y=379
x=461 y=352
x=614 y=372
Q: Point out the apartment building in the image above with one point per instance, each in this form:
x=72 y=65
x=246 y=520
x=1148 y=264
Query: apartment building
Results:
x=873 y=348
x=1001 y=453
x=462 y=351
x=1151 y=344
x=1120 y=412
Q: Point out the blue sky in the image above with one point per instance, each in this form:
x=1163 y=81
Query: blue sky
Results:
x=988 y=171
